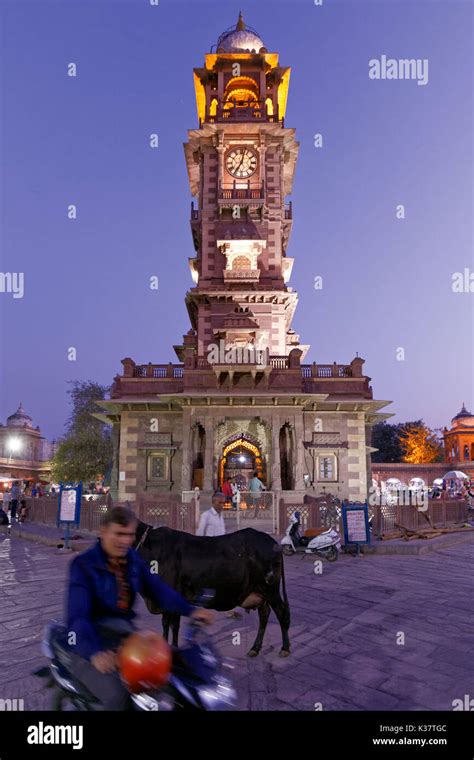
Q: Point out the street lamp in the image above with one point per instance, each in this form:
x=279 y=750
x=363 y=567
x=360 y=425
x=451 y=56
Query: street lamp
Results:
x=14 y=445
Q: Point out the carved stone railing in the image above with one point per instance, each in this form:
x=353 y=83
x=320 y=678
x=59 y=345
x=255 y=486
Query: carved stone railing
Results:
x=241 y=275
x=158 y=370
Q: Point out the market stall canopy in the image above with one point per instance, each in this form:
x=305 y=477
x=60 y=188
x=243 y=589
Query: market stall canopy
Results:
x=455 y=475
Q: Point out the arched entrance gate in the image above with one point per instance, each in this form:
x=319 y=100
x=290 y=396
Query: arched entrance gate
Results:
x=240 y=458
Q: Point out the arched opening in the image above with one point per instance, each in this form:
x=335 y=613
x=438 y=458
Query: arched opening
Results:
x=269 y=105
x=241 y=262
x=286 y=458
x=240 y=459
x=198 y=444
x=241 y=92
x=213 y=107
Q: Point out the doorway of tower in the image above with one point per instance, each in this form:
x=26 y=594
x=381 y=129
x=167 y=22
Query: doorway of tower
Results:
x=240 y=459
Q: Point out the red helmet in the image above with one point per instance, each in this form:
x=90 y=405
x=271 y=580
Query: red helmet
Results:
x=145 y=661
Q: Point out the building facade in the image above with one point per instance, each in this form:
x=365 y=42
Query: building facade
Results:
x=241 y=397
x=459 y=441
x=24 y=453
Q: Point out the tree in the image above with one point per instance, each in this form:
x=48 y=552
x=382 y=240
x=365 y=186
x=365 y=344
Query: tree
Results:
x=386 y=439
x=389 y=440
x=85 y=452
x=420 y=444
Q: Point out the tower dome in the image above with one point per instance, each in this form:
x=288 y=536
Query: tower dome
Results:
x=463 y=417
x=240 y=39
x=19 y=419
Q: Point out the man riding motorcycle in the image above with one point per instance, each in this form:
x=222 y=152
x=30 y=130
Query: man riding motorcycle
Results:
x=103 y=584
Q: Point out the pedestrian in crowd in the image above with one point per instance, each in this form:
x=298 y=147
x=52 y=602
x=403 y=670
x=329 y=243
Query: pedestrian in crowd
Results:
x=235 y=495
x=212 y=524
x=3 y=517
x=24 y=509
x=6 y=501
x=227 y=490
x=255 y=487
x=15 y=500
x=212 y=520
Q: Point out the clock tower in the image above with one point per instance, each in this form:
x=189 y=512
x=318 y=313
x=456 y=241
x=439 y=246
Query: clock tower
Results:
x=241 y=400
x=241 y=163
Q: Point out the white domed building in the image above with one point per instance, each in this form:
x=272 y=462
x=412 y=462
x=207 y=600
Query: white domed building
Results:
x=24 y=452
x=459 y=439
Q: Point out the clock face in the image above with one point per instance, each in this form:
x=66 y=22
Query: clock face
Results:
x=241 y=162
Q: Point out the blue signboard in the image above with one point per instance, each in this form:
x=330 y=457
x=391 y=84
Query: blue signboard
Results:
x=69 y=506
x=355 y=521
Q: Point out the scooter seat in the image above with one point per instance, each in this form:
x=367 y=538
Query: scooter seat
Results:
x=313 y=532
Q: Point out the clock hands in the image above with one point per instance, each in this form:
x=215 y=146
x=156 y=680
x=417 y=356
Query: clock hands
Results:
x=241 y=160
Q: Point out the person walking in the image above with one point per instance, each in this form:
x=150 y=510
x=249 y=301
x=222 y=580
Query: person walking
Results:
x=6 y=501
x=227 y=489
x=255 y=487
x=16 y=494
x=212 y=520
x=235 y=495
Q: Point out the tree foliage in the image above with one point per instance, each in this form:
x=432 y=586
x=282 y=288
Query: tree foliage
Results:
x=85 y=452
x=411 y=442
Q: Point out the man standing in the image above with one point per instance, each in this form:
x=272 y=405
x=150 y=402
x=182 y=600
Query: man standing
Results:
x=227 y=489
x=255 y=487
x=6 y=501
x=212 y=520
x=16 y=493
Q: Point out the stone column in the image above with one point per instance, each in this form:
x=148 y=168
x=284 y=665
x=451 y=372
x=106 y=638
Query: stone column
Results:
x=114 y=475
x=276 y=466
x=356 y=458
x=128 y=457
x=219 y=144
x=187 y=453
x=209 y=455
x=298 y=437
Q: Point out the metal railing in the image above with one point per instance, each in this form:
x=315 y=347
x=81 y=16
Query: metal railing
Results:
x=326 y=370
x=256 y=509
x=158 y=370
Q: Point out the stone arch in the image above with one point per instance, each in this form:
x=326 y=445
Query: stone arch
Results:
x=287 y=457
x=198 y=449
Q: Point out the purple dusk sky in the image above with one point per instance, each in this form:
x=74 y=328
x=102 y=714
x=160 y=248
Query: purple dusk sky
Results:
x=387 y=283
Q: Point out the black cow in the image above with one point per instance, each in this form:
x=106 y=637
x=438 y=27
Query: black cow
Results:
x=243 y=568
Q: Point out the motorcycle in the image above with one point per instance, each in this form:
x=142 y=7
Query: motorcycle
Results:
x=326 y=544
x=197 y=680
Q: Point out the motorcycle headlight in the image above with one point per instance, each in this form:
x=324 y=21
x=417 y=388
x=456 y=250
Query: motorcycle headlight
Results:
x=219 y=695
x=162 y=702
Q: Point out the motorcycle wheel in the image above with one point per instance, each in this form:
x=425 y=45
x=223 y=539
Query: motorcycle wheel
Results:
x=288 y=550
x=331 y=556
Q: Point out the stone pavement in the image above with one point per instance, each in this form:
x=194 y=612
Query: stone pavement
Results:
x=348 y=625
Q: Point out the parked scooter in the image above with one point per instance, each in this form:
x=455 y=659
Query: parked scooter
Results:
x=326 y=544
x=197 y=682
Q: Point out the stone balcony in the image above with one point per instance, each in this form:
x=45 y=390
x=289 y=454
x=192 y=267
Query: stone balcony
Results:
x=249 y=110
x=281 y=374
x=241 y=275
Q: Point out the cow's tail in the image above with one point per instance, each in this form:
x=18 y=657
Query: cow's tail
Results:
x=283 y=584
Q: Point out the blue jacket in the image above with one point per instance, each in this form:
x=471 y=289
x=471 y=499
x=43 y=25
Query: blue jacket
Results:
x=93 y=594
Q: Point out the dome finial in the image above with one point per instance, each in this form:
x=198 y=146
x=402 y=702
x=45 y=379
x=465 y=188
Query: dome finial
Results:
x=240 y=23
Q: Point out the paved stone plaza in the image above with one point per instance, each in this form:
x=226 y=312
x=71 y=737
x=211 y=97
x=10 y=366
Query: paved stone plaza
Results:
x=345 y=627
